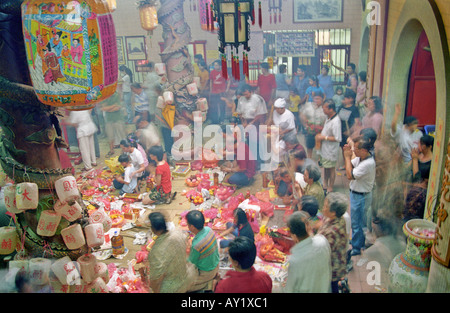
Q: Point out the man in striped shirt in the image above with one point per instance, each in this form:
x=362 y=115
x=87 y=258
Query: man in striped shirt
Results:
x=204 y=252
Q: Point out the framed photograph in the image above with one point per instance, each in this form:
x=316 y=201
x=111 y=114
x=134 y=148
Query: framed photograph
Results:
x=136 y=48
x=316 y=11
x=120 y=50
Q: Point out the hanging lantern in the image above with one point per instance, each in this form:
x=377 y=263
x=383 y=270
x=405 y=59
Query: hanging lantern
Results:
x=234 y=30
x=148 y=14
x=71 y=51
x=231 y=14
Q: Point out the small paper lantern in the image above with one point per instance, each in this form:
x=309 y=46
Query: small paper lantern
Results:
x=10 y=199
x=79 y=288
x=70 y=212
x=97 y=286
x=101 y=270
x=160 y=68
x=148 y=15
x=202 y=104
x=192 y=89
x=27 y=196
x=73 y=237
x=48 y=223
x=87 y=264
x=66 y=271
x=100 y=216
x=8 y=240
x=67 y=189
x=71 y=51
x=22 y=265
x=198 y=116
x=94 y=234
x=39 y=269
x=197 y=81
x=160 y=103
x=168 y=97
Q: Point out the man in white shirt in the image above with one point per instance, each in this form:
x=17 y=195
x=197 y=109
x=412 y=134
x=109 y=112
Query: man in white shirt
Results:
x=407 y=136
x=128 y=183
x=330 y=137
x=361 y=173
x=285 y=120
x=312 y=118
x=251 y=106
x=309 y=268
x=137 y=159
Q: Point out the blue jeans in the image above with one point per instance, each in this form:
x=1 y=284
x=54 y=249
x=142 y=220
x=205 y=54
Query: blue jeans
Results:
x=226 y=242
x=168 y=140
x=128 y=106
x=358 y=204
x=239 y=179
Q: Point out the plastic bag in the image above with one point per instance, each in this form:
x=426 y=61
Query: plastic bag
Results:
x=266 y=208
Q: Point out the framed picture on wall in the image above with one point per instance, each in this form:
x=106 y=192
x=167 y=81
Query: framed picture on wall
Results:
x=136 y=48
x=316 y=11
x=120 y=50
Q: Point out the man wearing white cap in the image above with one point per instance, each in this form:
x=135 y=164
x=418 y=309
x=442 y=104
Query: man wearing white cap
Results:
x=284 y=119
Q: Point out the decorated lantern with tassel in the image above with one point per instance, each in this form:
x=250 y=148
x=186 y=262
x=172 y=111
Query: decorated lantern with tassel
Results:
x=71 y=51
x=148 y=14
x=234 y=30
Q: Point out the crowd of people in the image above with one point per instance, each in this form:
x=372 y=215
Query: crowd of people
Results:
x=342 y=130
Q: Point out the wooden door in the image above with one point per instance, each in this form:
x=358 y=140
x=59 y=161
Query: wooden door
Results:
x=421 y=101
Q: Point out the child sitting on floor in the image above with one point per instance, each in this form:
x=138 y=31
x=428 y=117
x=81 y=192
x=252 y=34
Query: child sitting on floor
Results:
x=162 y=192
x=128 y=182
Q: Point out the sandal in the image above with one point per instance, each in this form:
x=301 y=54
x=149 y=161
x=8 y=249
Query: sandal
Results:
x=110 y=154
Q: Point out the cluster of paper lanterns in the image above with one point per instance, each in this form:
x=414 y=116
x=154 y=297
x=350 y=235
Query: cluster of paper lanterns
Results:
x=85 y=274
x=25 y=196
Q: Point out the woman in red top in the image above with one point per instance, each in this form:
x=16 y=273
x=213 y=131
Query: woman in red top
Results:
x=218 y=87
x=162 y=193
x=244 y=278
x=266 y=84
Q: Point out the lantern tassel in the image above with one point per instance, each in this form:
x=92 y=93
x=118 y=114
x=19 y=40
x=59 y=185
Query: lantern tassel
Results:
x=207 y=16
x=253 y=15
x=233 y=72
x=247 y=71
x=260 y=15
x=238 y=67
x=212 y=18
x=243 y=63
x=239 y=17
x=224 y=67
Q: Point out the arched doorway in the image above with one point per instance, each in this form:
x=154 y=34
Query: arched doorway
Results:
x=421 y=101
x=364 y=50
x=415 y=18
